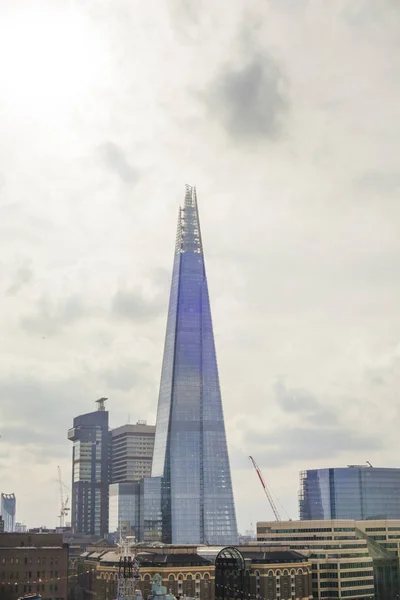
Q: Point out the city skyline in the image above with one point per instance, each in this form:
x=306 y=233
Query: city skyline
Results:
x=285 y=114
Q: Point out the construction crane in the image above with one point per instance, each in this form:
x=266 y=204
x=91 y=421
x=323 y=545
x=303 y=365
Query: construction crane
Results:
x=266 y=490
x=64 y=505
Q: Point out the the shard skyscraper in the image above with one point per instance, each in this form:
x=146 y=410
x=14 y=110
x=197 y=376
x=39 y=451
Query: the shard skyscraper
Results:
x=190 y=453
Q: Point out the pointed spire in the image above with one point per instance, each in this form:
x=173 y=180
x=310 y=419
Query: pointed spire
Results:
x=188 y=237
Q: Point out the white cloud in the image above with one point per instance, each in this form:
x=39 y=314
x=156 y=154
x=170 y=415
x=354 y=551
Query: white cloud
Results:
x=300 y=229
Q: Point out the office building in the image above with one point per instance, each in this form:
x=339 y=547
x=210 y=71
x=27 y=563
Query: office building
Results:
x=385 y=533
x=131 y=452
x=355 y=492
x=7 y=510
x=33 y=564
x=90 y=471
x=124 y=508
x=190 y=451
x=346 y=563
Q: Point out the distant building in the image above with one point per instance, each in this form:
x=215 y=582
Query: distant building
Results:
x=7 y=511
x=355 y=492
x=1 y=524
x=346 y=563
x=90 y=471
x=131 y=452
x=20 y=528
x=33 y=564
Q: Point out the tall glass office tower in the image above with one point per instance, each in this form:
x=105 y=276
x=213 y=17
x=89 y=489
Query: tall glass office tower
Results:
x=355 y=492
x=90 y=471
x=190 y=452
x=7 y=511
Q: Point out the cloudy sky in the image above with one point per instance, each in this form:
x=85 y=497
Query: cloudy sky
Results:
x=286 y=115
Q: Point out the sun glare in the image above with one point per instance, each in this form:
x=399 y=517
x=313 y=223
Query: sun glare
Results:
x=49 y=60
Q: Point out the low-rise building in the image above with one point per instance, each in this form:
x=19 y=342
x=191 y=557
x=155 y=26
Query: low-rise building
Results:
x=33 y=564
x=346 y=563
x=209 y=573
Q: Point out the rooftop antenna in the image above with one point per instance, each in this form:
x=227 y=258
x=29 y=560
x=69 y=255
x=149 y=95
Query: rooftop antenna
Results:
x=100 y=402
x=368 y=463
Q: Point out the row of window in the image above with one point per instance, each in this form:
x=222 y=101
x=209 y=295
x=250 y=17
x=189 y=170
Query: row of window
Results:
x=38 y=588
x=356 y=565
x=344 y=593
x=355 y=574
x=304 y=538
x=368 y=592
x=28 y=575
x=329 y=555
x=28 y=560
x=299 y=531
x=147 y=577
x=358 y=583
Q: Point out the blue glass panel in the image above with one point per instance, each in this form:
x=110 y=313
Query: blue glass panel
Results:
x=350 y=493
x=190 y=445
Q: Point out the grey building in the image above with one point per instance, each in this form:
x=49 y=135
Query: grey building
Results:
x=131 y=452
x=7 y=511
x=90 y=471
x=355 y=492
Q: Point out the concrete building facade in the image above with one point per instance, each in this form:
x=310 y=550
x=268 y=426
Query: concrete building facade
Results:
x=384 y=532
x=132 y=448
x=342 y=566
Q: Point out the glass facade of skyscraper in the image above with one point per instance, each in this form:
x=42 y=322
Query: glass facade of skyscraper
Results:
x=124 y=508
x=355 y=492
x=90 y=472
x=7 y=511
x=190 y=452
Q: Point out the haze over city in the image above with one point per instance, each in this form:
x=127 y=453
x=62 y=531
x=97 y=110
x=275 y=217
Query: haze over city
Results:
x=107 y=110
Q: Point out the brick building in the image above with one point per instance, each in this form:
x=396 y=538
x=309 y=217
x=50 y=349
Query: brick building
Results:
x=33 y=563
x=267 y=573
